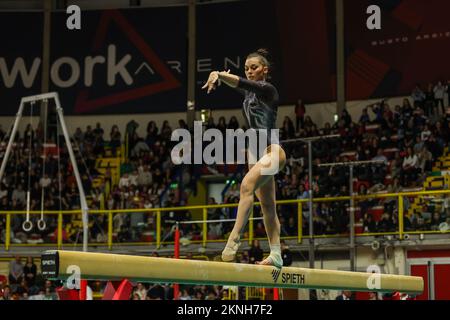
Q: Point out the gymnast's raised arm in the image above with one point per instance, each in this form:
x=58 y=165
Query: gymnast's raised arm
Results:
x=235 y=81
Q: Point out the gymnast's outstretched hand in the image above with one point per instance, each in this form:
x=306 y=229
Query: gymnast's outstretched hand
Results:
x=211 y=83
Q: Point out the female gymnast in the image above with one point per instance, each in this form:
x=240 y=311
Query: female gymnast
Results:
x=260 y=110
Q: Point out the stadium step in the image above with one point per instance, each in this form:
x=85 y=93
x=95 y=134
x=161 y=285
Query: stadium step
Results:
x=438 y=179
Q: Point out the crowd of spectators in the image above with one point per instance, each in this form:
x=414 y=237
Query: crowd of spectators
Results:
x=42 y=167
x=24 y=282
x=407 y=137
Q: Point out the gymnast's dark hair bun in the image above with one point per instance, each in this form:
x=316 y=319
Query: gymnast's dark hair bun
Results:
x=263 y=52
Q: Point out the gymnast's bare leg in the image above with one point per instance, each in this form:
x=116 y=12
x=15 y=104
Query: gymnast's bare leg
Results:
x=257 y=180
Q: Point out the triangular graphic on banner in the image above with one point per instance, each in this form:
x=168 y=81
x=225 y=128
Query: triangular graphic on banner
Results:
x=169 y=82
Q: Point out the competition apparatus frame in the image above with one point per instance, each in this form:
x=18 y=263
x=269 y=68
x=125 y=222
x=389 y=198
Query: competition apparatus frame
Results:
x=57 y=265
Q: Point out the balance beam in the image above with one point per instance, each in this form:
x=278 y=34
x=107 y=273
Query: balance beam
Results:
x=56 y=265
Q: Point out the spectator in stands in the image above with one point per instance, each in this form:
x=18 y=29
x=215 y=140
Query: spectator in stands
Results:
x=98 y=131
x=45 y=181
x=425 y=133
x=286 y=254
x=308 y=122
x=369 y=225
x=6 y=294
x=345 y=116
x=364 y=118
x=124 y=181
x=140 y=147
x=291 y=226
x=78 y=136
x=233 y=124
x=156 y=292
x=436 y=221
x=133 y=178
x=418 y=97
x=255 y=252
x=145 y=176
x=18 y=194
x=222 y=125
x=115 y=139
x=141 y=291
x=439 y=93
x=418 y=145
x=447 y=91
x=395 y=186
x=259 y=231
x=166 y=131
x=244 y=258
x=300 y=111
x=152 y=133
x=99 y=143
x=380 y=156
x=373 y=296
x=212 y=295
x=429 y=101
x=15 y=271
x=425 y=160
x=345 y=295
x=198 y=295
x=287 y=131
x=30 y=271
x=184 y=295
x=385 y=224
x=410 y=164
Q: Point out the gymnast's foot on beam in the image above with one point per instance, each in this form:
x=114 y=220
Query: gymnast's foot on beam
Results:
x=229 y=253
x=274 y=259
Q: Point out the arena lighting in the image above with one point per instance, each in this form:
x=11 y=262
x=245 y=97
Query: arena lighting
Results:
x=101 y=266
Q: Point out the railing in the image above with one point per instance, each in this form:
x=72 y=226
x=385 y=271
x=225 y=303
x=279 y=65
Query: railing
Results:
x=154 y=229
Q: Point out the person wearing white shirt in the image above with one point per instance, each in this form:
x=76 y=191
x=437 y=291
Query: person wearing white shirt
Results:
x=134 y=178
x=124 y=181
x=145 y=177
x=19 y=194
x=439 y=93
x=45 y=181
x=409 y=166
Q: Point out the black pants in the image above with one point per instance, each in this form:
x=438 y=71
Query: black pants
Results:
x=301 y=121
x=438 y=102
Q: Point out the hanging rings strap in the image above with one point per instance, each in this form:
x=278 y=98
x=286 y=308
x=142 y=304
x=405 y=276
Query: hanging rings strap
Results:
x=27 y=225
x=41 y=222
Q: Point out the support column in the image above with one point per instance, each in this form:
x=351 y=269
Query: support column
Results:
x=45 y=81
x=192 y=66
x=340 y=56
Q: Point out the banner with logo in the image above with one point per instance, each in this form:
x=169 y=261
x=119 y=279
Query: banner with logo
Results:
x=411 y=47
x=131 y=61
x=135 y=60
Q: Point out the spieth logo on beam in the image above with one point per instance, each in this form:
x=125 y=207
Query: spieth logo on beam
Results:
x=275 y=274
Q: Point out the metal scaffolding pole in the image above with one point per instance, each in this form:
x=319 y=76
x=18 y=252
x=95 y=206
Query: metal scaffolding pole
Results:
x=351 y=166
x=192 y=65
x=340 y=57
x=309 y=141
